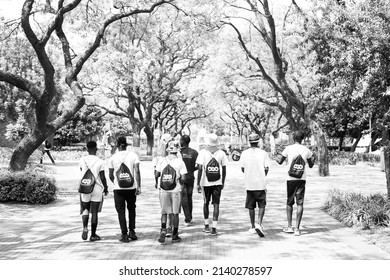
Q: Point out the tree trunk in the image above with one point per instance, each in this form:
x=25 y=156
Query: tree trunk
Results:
x=149 y=140
x=341 y=140
x=353 y=148
x=24 y=150
x=322 y=153
x=387 y=169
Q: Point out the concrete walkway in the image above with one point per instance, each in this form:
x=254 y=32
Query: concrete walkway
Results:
x=53 y=232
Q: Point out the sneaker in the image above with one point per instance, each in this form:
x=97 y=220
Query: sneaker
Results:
x=288 y=230
x=84 y=235
x=124 y=238
x=163 y=234
x=252 y=231
x=169 y=232
x=132 y=235
x=94 y=238
x=206 y=229
x=214 y=232
x=297 y=232
x=176 y=238
x=260 y=231
x=188 y=224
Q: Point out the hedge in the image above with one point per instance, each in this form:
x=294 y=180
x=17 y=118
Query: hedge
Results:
x=26 y=186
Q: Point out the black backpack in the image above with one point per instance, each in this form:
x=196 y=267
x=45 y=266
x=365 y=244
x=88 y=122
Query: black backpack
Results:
x=123 y=176
x=297 y=167
x=168 y=177
x=213 y=170
x=87 y=182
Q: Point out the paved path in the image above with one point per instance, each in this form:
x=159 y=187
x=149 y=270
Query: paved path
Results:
x=41 y=232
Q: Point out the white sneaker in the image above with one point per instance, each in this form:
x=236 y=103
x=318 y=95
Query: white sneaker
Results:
x=259 y=230
x=252 y=231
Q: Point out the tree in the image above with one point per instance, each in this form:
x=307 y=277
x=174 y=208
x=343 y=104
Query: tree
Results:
x=47 y=92
x=272 y=69
x=148 y=69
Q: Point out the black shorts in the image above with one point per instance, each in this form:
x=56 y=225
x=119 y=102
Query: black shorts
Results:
x=256 y=197
x=212 y=192
x=92 y=206
x=295 y=190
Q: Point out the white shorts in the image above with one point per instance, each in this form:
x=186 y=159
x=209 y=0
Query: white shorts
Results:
x=170 y=202
x=96 y=195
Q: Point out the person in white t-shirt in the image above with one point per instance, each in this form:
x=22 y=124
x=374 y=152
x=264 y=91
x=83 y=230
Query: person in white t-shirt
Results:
x=128 y=195
x=295 y=186
x=211 y=189
x=254 y=164
x=170 y=197
x=92 y=203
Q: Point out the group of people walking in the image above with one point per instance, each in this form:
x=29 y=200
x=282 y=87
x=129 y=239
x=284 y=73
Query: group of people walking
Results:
x=174 y=170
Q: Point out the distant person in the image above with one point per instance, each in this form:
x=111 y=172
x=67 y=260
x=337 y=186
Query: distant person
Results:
x=211 y=163
x=125 y=174
x=254 y=164
x=170 y=172
x=189 y=156
x=92 y=203
x=296 y=179
x=46 y=150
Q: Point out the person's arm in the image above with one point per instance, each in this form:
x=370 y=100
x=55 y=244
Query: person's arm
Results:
x=266 y=169
x=243 y=169
x=223 y=176
x=111 y=174
x=200 y=171
x=157 y=174
x=104 y=181
x=137 y=174
x=310 y=161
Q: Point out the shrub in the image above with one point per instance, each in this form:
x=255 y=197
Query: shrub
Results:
x=354 y=209
x=351 y=158
x=27 y=187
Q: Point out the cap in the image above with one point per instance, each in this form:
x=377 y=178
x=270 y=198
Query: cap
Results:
x=254 y=138
x=212 y=140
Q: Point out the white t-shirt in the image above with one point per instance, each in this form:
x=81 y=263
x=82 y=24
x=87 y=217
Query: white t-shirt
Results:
x=127 y=157
x=292 y=151
x=179 y=166
x=95 y=164
x=204 y=158
x=254 y=161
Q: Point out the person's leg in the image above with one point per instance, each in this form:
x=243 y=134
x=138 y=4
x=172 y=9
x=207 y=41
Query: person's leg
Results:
x=289 y=204
x=261 y=215
x=85 y=217
x=120 y=209
x=289 y=211
x=252 y=217
x=43 y=153
x=94 y=220
x=184 y=204
x=206 y=203
x=176 y=204
x=190 y=191
x=131 y=199
x=216 y=195
x=51 y=158
x=300 y=196
x=163 y=231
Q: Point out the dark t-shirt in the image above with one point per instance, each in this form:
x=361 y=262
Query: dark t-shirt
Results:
x=189 y=157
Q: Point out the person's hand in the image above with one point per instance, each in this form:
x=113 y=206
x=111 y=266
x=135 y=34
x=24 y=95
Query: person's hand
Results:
x=223 y=185
x=105 y=192
x=155 y=185
x=138 y=192
x=199 y=189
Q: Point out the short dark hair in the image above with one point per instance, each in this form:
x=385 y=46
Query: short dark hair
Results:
x=121 y=142
x=298 y=136
x=91 y=145
x=186 y=139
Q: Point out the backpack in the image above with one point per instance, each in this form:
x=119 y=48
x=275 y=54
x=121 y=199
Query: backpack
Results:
x=168 y=177
x=297 y=167
x=87 y=182
x=123 y=176
x=213 y=170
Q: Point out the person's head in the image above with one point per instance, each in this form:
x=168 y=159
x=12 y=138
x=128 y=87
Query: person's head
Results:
x=121 y=143
x=172 y=147
x=185 y=140
x=212 y=140
x=298 y=136
x=92 y=147
x=254 y=140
